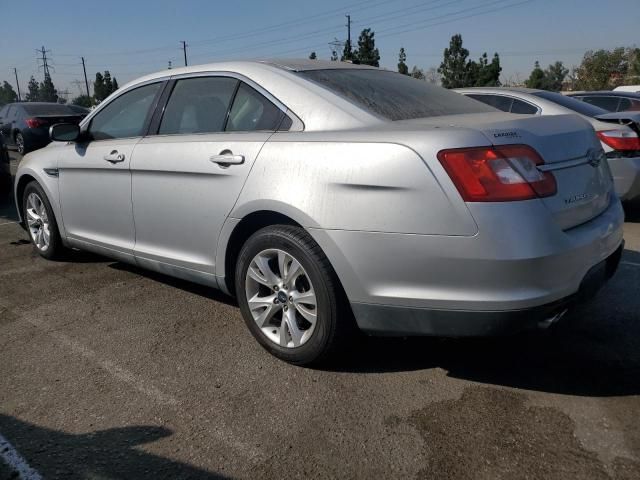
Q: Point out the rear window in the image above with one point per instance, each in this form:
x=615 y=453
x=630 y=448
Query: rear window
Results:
x=572 y=104
x=392 y=95
x=53 y=109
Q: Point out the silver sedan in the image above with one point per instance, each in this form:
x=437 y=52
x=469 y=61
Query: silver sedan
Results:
x=620 y=141
x=328 y=196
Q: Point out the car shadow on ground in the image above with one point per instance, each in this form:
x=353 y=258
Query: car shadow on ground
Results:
x=632 y=211
x=112 y=453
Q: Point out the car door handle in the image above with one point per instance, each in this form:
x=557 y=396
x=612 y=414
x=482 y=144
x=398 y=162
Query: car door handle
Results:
x=226 y=159
x=114 y=157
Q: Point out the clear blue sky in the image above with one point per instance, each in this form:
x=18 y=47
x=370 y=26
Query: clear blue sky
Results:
x=134 y=37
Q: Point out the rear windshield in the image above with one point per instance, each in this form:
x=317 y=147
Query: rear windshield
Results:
x=572 y=104
x=53 y=109
x=394 y=96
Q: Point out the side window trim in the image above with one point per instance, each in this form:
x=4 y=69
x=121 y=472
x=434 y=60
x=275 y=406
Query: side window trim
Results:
x=297 y=125
x=230 y=107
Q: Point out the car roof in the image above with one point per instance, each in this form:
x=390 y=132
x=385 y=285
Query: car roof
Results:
x=606 y=93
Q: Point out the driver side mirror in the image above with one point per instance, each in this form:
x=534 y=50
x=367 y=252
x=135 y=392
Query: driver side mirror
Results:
x=64 y=132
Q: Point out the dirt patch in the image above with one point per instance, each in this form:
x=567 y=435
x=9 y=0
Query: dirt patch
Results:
x=492 y=433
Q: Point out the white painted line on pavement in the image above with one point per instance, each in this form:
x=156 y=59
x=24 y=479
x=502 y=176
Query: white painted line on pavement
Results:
x=15 y=461
x=633 y=264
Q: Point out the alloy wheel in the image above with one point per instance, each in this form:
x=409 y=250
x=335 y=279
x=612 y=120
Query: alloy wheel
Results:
x=281 y=298
x=38 y=222
x=20 y=143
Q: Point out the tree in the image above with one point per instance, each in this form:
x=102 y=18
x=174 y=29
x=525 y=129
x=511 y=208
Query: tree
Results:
x=99 y=88
x=47 y=91
x=83 y=101
x=485 y=73
x=536 y=79
x=115 y=85
x=454 y=67
x=402 y=62
x=367 y=53
x=33 y=90
x=551 y=78
x=347 y=52
x=108 y=84
x=313 y=56
x=7 y=94
x=417 y=73
x=603 y=69
x=432 y=76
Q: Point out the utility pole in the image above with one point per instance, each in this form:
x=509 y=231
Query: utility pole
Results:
x=86 y=82
x=348 y=46
x=184 y=50
x=45 y=64
x=15 y=71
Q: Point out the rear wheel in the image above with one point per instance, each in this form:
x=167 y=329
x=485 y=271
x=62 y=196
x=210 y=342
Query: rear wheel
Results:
x=20 y=145
x=40 y=222
x=289 y=295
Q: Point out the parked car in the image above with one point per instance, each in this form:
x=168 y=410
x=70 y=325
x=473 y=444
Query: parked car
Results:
x=610 y=101
x=26 y=125
x=319 y=193
x=628 y=88
x=5 y=166
x=620 y=142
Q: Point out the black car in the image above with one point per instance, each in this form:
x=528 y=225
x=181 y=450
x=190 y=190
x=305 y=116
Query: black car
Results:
x=610 y=101
x=26 y=125
x=5 y=166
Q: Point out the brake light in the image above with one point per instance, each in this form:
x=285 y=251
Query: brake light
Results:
x=34 y=122
x=620 y=139
x=498 y=174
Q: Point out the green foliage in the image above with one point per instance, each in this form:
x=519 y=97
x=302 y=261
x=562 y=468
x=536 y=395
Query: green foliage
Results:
x=402 y=62
x=103 y=86
x=47 y=91
x=367 y=53
x=605 y=69
x=458 y=71
x=83 y=101
x=347 y=52
x=33 y=90
x=417 y=73
x=7 y=94
x=313 y=56
x=551 y=78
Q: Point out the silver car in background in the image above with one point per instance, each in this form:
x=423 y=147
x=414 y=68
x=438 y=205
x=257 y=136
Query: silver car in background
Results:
x=326 y=196
x=619 y=132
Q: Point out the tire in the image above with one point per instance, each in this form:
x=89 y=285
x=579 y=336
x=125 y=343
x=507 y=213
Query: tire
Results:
x=38 y=217
x=20 y=144
x=280 y=246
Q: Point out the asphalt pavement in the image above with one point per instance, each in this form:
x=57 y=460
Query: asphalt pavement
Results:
x=108 y=371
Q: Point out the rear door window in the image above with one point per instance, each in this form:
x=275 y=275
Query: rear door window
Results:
x=496 y=101
x=252 y=111
x=523 y=107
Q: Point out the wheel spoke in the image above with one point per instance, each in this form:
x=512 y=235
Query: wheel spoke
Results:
x=263 y=309
x=283 y=339
x=46 y=235
x=294 y=270
x=295 y=332
x=263 y=264
x=308 y=298
x=39 y=237
x=308 y=314
x=32 y=216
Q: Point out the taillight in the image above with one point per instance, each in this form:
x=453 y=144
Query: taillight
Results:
x=498 y=174
x=620 y=139
x=34 y=122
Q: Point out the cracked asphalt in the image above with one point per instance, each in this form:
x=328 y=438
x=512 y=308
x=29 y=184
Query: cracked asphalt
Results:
x=108 y=371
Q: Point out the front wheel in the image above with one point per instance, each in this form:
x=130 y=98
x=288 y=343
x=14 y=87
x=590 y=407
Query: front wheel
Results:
x=289 y=295
x=40 y=221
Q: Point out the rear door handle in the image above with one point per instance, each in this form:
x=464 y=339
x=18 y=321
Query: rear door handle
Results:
x=114 y=157
x=224 y=159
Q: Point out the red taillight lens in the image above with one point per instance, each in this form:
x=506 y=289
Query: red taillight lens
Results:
x=34 y=122
x=620 y=139
x=497 y=174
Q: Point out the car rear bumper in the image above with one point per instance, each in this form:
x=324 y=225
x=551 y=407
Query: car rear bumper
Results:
x=520 y=265
x=626 y=177
x=400 y=321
